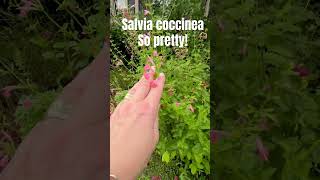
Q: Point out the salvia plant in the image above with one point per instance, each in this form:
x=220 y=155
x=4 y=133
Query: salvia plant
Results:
x=265 y=77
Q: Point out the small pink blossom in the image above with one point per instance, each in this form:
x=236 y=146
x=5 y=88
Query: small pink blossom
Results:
x=7 y=91
x=178 y=104
x=146 y=12
x=244 y=50
x=264 y=125
x=221 y=26
x=46 y=34
x=4 y=162
x=147 y=67
x=216 y=135
x=149 y=71
x=262 y=150
x=176 y=178
x=126 y=15
x=156 y=178
x=150 y=60
x=191 y=108
x=27 y=103
x=26 y=7
x=301 y=70
x=155 y=53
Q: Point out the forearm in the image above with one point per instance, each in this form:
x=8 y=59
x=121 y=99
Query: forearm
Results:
x=74 y=148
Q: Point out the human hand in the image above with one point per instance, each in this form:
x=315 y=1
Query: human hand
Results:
x=134 y=129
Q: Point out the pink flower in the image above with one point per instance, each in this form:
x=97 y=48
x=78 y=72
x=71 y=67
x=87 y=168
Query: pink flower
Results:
x=191 y=108
x=146 y=12
x=178 y=104
x=301 y=70
x=156 y=178
x=216 y=135
x=155 y=53
x=176 y=178
x=262 y=150
x=3 y=162
x=149 y=71
x=244 y=50
x=27 y=103
x=221 y=26
x=126 y=15
x=26 y=7
x=264 y=125
x=46 y=34
x=147 y=67
x=6 y=91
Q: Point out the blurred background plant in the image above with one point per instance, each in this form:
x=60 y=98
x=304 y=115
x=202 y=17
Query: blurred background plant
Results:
x=266 y=82
x=183 y=150
x=44 y=43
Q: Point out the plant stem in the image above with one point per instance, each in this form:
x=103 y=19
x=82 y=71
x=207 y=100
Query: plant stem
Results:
x=52 y=20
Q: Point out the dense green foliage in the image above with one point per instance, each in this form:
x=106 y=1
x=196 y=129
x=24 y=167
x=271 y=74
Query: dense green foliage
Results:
x=184 y=114
x=266 y=87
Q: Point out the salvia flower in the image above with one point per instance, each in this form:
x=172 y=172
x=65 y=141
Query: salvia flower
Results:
x=221 y=26
x=126 y=14
x=149 y=71
x=301 y=70
x=216 y=135
x=3 y=162
x=7 y=91
x=26 y=7
x=244 y=50
x=155 y=53
x=146 y=12
x=46 y=34
x=191 y=108
x=264 y=125
x=262 y=150
x=156 y=178
x=27 y=103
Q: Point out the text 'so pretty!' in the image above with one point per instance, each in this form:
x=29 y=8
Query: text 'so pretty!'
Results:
x=144 y=24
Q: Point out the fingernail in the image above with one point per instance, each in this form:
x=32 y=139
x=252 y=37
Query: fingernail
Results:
x=161 y=76
x=153 y=84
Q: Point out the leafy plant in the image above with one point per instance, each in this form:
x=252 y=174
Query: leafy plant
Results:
x=265 y=90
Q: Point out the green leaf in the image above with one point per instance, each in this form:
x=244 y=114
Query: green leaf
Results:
x=166 y=157
x=193 y=168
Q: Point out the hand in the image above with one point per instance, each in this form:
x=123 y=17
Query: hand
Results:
x=134 y=129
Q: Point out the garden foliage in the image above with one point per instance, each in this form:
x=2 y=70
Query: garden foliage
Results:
x=265 y=77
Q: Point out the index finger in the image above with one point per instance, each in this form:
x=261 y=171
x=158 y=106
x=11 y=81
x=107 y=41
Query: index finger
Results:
x=155 y=93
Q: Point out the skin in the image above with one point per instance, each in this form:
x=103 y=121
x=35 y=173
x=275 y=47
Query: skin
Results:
x=76 y=146
x=135 y=122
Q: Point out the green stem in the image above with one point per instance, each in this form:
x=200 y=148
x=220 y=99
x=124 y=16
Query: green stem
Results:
x=72 y=15
x=308 y=2
x=15 y=76
x=52 y=20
